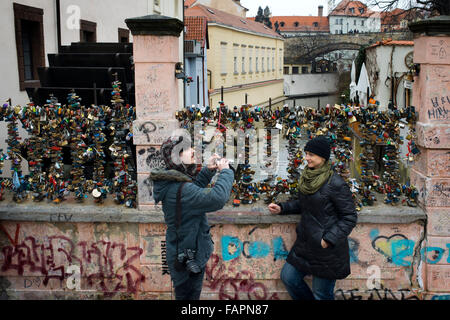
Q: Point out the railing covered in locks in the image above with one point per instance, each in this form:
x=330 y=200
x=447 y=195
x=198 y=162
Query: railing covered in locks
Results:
x=95 y=140
x=339 y=123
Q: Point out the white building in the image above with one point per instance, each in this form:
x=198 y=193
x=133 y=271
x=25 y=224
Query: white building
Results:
x=353 y=17
x=387 y=64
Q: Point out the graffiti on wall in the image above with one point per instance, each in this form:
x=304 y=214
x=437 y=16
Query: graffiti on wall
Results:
x=233 y=247
x=399 y=250
x=107 y=266
x=232 y=283
x=376 y=294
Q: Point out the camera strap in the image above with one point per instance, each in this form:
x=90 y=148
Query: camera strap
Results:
x=178 y=210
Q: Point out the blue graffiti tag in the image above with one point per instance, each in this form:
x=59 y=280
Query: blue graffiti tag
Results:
x=231 y=241
x=232 y=248
x=438 y=253
x=279 y=249
x=402 y=249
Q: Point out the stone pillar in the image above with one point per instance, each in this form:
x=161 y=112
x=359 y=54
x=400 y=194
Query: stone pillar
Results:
x=431 y=174
x=155 y=53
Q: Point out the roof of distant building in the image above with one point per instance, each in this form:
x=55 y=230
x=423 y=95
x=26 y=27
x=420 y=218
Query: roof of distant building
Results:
x=390 y=42
x=353 y=9
x=223 y=18
x=300 y=23
x=196 y=29
x=188 y=3
x=395 y=16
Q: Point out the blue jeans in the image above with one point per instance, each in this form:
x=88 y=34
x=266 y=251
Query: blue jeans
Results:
x=190 y=289
x=322 y=289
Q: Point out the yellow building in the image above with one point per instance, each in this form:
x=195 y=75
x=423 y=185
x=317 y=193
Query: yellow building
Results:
x=245 y=59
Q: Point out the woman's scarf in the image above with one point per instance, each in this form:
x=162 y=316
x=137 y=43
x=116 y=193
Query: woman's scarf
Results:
x=312 y=179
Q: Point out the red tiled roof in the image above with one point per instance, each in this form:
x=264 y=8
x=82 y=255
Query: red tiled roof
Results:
x=196 y=29
x=345 y=6
x=395 y=16
x=301 y=23
x=216 y=16
x=188 y=3
x=390 y=42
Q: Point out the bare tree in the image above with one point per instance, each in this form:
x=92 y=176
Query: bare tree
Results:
x=433 y=7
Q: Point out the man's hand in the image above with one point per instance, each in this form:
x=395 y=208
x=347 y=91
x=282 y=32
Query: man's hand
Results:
x=223 y=164
x=212 y=162
x=324 y=244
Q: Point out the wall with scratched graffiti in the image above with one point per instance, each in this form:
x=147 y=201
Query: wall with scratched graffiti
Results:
x=128 y=261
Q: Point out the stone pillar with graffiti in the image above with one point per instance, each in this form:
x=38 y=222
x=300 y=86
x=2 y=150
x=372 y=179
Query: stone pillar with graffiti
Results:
x=155 y=53
x=430 y=173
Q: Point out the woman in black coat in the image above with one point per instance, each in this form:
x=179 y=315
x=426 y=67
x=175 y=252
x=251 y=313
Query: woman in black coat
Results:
x=328 y=216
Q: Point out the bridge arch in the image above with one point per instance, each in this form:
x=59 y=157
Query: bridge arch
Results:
x=304 y=49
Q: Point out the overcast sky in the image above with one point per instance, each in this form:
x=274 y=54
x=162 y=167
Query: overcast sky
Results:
x=287 y=7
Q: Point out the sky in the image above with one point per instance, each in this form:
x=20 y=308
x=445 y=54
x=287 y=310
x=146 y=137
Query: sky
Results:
x=287 y=7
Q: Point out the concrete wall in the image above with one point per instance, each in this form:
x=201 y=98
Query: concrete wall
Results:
x=431 y=97
x=302 y=84
x=67 y=256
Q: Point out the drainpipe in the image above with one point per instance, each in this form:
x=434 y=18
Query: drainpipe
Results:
x=58 y=23
x=203 y=76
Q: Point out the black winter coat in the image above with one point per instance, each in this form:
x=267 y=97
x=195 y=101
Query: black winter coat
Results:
x=328 y=214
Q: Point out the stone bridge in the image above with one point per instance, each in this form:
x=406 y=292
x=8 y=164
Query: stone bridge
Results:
x=303 y=49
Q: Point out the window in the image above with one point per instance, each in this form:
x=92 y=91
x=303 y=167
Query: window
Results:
x=352 y=10
x=281 y=59
x=256 y=59
x=223 y=57
x=235 y=58
x=354 y=22
x=262 y=64
x=296 y=24
x=88 y=31
x=361 y=10
x=243 y=49
x=304 y=69
x=315 y=24
x=243 y=65
x=282 y=23
x=124 y=35
x=29 y=29
x=294 y=70
x=336 y=31
x=250 y=59
x=362 y=23
x=273 y=63
x=157 y=6
x=286 y=70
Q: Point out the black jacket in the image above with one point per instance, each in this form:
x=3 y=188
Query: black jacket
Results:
x=328 y=214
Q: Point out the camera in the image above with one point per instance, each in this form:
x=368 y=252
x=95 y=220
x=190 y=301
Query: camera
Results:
x=186 y=258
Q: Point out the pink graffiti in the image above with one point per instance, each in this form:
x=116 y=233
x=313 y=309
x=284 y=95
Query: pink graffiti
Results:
x=230 y=284
x=105 y=265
